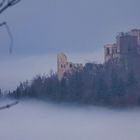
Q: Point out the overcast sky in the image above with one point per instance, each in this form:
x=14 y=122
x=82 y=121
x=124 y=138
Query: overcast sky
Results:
x=43 y=28
x=48 y=26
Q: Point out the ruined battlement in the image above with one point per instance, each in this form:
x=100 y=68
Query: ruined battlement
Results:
x=124 y=52
x=127 y=44
x=64 y=66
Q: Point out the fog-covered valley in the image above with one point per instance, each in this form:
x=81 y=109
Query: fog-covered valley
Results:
x=35 y=120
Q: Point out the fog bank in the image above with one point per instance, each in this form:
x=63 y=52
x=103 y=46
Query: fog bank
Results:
x=42 y=121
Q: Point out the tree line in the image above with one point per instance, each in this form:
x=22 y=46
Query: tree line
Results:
x=96 y=84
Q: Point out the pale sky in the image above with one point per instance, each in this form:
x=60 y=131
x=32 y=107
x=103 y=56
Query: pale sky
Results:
x=48 y=26
x=43 y=28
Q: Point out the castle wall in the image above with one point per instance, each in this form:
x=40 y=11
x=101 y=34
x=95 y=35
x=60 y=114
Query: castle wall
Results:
x=126 y=44
x=124 y=52
x=111 y=52
x=61 y=65
x=136 y=33
x=127 y=52
x=64 y=66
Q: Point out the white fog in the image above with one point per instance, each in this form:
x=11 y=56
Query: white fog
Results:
x=35 y=120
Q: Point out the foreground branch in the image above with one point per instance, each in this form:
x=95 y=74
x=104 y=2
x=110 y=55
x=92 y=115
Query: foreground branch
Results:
x=10 y=35
x=6 y=4
x=9 y=105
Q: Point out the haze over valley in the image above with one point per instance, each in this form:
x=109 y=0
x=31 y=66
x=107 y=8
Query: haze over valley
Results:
x=38 y=120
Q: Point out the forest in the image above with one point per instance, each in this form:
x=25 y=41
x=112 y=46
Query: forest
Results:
x=96 y=84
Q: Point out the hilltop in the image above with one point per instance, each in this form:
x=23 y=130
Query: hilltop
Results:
x=116 y=82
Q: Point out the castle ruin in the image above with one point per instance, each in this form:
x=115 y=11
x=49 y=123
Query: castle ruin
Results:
x=127 y=46
x=125 y=52
x=66 y=67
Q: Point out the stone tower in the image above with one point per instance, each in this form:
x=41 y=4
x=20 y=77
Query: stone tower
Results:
x=61 y=65
x=66 y=67
x=125 y=52
x=110 y=52
x=136 y=33
x=126 y=47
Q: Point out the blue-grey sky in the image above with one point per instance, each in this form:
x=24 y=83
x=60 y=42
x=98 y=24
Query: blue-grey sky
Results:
x=46 y=27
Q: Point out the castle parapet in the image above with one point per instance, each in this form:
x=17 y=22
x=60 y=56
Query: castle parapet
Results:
x=66 y=67
x=127 y=44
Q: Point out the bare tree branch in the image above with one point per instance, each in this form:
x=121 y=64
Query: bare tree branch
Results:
x=10 y=35
x=1 y=3
x=6 y=4
x=3 y=23
x=9 y=105
x=13 y=2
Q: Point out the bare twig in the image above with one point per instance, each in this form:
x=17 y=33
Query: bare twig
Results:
x=13 y=2
x=10 y=35
x=6 y=4
x=1 y=4
x=11 y=38
x=8 y=105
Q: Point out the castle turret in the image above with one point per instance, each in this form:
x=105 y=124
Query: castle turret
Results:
x=61 y=65
x=125 y=52
x=126 y=46
x=136 y=33
x=65 y=67
x=110 y=52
